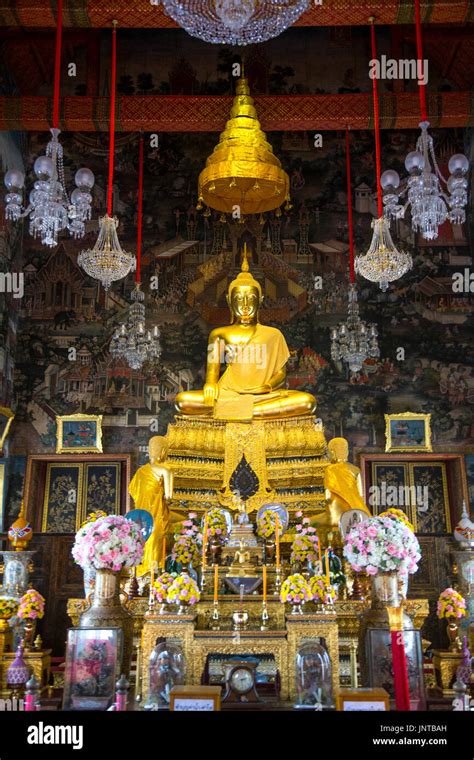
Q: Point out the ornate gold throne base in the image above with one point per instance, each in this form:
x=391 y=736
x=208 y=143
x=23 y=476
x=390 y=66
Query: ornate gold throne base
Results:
x=287 y=456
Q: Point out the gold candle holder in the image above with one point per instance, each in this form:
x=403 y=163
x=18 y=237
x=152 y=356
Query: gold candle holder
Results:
x=215 y=618
x=278 y=579
x=265 y=617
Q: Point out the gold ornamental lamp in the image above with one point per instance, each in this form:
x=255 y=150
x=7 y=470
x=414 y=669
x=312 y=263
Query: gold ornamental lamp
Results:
x=243 y=171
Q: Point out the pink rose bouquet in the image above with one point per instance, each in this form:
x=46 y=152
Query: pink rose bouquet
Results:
x=382 y=545
x=109 y=543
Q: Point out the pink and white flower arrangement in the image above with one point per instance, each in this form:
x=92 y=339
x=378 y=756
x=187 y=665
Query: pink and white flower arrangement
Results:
x=451 y=604
x=183 y=590
x=161 y=586
x=110 y=543
x=382 y=545
x=295 y=590
x=31 y=605
x=305 y=543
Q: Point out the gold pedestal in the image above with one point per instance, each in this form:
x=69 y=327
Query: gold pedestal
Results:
x=39 y=662
x=445 y=664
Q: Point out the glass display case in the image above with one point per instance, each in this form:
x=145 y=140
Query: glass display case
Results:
x=313 y=676
x=166 y=669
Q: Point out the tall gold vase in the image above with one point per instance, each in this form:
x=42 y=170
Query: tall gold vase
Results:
x=106 y=611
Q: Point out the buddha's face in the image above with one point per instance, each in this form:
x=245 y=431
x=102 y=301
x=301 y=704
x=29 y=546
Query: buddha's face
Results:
x=338 y=450
x=244 y=302
x=157 y=449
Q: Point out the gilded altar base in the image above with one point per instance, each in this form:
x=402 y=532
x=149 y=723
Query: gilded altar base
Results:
x=288 y=457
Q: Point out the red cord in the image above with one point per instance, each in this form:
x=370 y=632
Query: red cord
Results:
x=376 y=126
x=419 y=55
x=112 y=122
x=57 y=65
x=140 y=210
x=349 y=209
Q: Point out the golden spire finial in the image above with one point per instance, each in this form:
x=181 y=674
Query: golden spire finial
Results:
x=21 y=513
x=245 y=262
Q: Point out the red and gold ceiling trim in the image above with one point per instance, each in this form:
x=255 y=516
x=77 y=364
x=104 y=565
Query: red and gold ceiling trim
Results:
x=185 y=113
x=140 y=14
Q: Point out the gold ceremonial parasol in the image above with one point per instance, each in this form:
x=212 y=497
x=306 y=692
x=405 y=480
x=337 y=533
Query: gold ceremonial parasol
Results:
x=242 y=170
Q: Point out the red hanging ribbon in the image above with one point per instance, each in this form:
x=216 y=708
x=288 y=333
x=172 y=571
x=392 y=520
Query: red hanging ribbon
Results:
x=112 y=120
x=57 y=65
x=349 y=209
x=376 y=125
x=140 y=210
x=400 y=671
x=419 y=55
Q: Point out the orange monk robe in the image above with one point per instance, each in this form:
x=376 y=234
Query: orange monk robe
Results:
x=147 y=491
x=339 y=479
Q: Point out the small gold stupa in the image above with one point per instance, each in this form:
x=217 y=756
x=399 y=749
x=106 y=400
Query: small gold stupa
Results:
x=242 y=170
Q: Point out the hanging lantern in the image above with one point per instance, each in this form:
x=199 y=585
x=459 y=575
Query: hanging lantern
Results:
x=383 y=263
x=107 y=261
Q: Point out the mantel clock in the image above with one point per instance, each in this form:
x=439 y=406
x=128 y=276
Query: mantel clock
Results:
x=240 y=682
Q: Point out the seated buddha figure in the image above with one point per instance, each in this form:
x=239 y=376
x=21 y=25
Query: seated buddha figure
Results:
x=343 y=490
x=255 y=355
x=152 y=488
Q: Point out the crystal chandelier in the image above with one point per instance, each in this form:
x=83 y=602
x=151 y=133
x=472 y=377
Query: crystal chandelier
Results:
x=49 y=208
x=430 y=205
x=107 y=261
x=353 y=341
x=234 y=22
x=383 y=263
x=131 y=341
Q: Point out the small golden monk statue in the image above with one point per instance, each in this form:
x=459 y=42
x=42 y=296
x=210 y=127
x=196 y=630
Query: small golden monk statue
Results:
x=252 y=385
x=151 y=488
x=343 y=490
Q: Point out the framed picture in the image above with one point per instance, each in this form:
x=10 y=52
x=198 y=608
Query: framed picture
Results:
x=102 y=487
x=93 y=657
x=62 y=511
x=432 y=512
x=6 y=419
x=79 y=434
x=408 y=432
x=390 y=481
x=379 y=656
x=469 y=462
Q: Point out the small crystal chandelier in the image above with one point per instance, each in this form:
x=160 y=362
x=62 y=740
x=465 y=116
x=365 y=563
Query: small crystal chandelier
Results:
x=354 y=341
x=49 y=208
x=430 y=205
x=234 y=22
x=383 y=263
x=107 y=261
x=131 y=341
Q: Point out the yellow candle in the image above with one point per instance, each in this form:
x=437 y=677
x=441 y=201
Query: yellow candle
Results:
x=216 y=582
x=152 y=577
x=277 y=539
x=319 y=556
x=264 y=583
x=326 y=555
x=204 y=541
x=163 y=553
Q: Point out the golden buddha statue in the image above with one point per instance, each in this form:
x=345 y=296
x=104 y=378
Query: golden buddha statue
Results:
x=252 y=385
x=343 y=490
x=151 y=488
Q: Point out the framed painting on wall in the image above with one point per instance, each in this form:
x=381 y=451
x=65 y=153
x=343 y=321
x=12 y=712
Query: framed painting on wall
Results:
x=432 y=513
x=79 y=434
x=62 y=511
x=469 y=461
x=390 y=488
x=102 y=487
x=408 y=432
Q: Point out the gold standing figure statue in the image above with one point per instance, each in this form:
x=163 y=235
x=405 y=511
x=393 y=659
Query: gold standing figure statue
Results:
x=252 y=385
x=152 y=488
x=343 y=490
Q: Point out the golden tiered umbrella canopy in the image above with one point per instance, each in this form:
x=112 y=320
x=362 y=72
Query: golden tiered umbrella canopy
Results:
x=242 y=170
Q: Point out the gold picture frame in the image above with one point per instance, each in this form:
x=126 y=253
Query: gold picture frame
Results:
x=79 y=434
x=6 y=419
x=408 y=437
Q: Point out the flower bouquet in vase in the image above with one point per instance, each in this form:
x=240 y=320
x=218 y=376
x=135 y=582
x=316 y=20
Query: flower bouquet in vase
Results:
x=30 y=610
x=295 y=591
x=109 y=545
x=398 y=514
x=160 y=588
x=8 y=609
x=184 y=592
x=322 y=593
x=452 y=606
